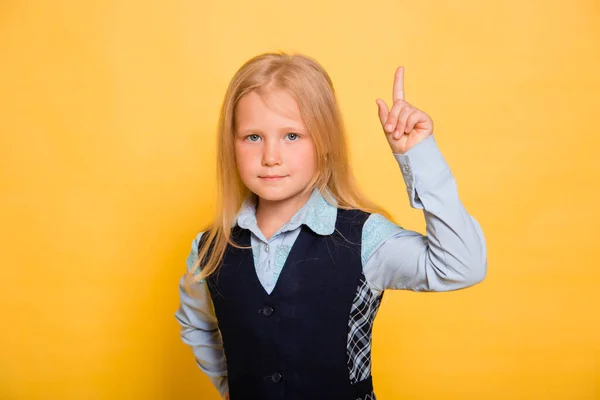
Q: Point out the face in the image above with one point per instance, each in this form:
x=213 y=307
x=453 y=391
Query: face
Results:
x=275 y=155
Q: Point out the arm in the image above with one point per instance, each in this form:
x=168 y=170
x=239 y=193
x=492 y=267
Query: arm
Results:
x=451 y=256
x=199 y=328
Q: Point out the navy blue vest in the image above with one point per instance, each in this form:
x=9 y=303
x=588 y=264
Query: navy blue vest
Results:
x=293 y=344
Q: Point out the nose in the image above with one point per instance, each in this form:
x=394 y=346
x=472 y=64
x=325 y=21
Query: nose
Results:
x=271 y=153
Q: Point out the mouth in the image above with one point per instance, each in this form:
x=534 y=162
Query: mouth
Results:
x=271 y=178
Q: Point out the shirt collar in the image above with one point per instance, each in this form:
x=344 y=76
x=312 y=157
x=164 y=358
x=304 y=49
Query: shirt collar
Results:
x=317 y=213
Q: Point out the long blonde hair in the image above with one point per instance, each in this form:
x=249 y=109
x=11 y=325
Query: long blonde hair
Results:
x=310 y=85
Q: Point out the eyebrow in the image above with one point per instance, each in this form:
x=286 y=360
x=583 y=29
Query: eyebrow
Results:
x=286 y=129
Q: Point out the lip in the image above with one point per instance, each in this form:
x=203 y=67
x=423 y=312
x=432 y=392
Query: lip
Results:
x=271 y=177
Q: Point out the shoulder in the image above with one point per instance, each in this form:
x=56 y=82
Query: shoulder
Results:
x=376 y=231
x=193 y=255
x=352 y=216
x=196 y=241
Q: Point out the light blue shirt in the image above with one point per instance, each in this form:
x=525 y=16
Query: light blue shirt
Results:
x=451 y=256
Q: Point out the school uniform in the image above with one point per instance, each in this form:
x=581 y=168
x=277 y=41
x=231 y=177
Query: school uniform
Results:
x=292 y=317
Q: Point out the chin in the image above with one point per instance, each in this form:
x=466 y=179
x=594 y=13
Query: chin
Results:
x=274 y=193
x=270 y=195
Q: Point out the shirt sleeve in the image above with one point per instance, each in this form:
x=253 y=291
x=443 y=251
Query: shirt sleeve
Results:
x=199 y=328
x=452 y=254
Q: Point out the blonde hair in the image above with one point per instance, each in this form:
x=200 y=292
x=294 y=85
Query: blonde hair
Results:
x=310 y=85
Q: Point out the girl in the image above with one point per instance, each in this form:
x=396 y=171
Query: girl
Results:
x=282 y=288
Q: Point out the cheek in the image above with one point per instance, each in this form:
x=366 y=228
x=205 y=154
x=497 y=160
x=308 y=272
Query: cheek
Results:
x=305 y=157
x=243 y=157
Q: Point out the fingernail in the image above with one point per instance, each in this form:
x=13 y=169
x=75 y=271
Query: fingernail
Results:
x=388 y=127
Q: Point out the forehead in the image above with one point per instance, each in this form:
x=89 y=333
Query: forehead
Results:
x=271 y=107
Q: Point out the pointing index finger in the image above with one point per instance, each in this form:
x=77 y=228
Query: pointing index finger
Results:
x=398 y=93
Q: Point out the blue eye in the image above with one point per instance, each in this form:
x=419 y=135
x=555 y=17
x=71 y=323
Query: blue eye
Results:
x=293 y=136
x=253 y=138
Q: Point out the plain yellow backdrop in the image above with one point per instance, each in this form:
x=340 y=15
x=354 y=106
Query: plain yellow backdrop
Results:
x=108 y=113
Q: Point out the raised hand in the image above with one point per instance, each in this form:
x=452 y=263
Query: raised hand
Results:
x=404 y=125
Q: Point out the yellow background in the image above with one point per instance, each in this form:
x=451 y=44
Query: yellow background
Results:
x=107 y=119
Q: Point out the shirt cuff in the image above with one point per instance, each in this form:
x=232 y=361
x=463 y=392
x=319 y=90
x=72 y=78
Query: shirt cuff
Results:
x=423 y=167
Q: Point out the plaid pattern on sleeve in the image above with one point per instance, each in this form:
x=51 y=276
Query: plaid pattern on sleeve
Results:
x=360 y=326
x=368 y=396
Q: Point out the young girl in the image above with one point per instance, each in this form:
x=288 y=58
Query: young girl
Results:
x=282 y=288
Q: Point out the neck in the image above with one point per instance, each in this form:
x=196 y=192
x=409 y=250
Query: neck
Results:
x=272 y=215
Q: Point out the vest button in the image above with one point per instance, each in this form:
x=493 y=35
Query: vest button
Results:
x=276 y=377
x=267 y=311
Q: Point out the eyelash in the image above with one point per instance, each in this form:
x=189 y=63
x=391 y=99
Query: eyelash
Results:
x=291 y=133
